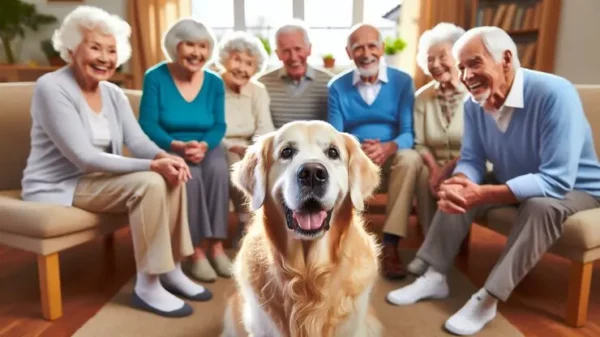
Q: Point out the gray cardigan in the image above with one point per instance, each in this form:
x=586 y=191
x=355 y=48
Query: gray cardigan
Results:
x=61 y=139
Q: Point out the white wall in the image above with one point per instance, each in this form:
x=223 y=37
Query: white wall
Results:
x=578 y=49
x=31 y=49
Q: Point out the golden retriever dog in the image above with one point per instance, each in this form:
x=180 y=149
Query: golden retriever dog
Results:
x=306 y=265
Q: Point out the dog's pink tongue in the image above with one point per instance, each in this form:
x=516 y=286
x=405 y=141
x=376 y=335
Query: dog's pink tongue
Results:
x=311 y=220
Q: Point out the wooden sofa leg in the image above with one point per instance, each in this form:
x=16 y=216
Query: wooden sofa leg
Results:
x=580 y=280
x=49 y=277
x=464 y=247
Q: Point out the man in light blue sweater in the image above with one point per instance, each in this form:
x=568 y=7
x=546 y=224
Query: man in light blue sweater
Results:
x=375 y=103
x=531 y=126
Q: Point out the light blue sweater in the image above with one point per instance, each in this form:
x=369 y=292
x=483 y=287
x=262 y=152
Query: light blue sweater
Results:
x=389 y=118
x=547 y=150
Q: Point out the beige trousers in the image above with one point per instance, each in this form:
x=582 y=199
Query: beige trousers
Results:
x=400 y=174
x=157 y=214
x=237 y=197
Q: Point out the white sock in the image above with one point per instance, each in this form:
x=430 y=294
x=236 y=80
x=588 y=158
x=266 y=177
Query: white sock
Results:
x=432 y=284
x=149 y=289
x=179 y=280
x=474 y=315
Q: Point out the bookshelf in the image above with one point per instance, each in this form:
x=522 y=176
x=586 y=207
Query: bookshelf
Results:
x=533 y=25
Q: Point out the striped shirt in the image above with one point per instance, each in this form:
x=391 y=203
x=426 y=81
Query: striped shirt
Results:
x=290 y=101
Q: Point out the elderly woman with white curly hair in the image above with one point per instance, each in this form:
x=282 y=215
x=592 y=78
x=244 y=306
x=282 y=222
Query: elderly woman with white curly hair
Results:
x=438 y=118
x=80 y=124
x=242 y=56
x=183 y=111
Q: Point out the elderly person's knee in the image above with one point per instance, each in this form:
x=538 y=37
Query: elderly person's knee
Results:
x=217 y=164
x=408 y=159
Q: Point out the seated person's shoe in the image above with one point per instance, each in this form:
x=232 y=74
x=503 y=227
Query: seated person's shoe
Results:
x=417 y=267
x=474 y=315
x=432 y=285
x=391 y=263
x=203 y=296
x=138 y=303
x=201 y=270
x=222 y=265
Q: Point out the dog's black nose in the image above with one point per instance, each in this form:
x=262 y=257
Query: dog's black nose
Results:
x=312 y=174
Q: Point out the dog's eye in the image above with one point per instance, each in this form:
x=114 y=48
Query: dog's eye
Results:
x=333 y=153
x=287 y=152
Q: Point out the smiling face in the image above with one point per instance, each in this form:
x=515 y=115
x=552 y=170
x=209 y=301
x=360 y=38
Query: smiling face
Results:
x=307 y=169
x=192 y=56
x=441 y=64
x=293 y=50
x=366 y=50
x=96 y=56
x=487 y=80
x=239 y=67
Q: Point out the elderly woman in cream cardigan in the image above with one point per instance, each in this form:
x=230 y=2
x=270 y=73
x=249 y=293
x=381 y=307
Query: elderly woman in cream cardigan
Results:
x=438 y=118
x=242 y=56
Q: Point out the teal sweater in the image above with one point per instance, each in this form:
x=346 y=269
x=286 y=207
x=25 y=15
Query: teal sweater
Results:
x=547 y=150
x=166 y=116
x=389 y=118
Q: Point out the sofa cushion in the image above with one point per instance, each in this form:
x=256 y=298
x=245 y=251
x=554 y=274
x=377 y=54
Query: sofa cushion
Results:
x=41 y=220
x=581 y=230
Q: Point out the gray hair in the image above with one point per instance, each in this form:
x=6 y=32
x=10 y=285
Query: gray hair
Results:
x=70 y=33
x=295 y=25
x=358 y=26
x=495 y=40
x=240 y=41
x=187 y=29
x=442 y=33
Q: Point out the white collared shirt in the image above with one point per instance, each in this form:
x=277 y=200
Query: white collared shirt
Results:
x=369 y=91
x=514 y=99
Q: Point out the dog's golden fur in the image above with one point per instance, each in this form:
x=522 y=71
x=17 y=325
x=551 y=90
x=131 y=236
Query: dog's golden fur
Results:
x=299 y=288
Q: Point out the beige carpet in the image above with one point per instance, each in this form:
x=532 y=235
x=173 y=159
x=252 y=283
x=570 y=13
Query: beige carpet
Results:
x=425 y=319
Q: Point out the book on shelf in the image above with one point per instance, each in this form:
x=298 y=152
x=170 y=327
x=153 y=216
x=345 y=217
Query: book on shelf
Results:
x=510 y=16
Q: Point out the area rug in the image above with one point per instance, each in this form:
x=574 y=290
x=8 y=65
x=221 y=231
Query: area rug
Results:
x=424 y=319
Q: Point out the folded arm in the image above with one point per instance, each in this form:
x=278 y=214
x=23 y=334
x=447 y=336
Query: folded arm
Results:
x=472 y=156
x=62 y=123
x=405 y=139
x=214 y=136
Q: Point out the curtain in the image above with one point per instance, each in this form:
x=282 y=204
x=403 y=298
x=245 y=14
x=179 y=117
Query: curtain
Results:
x=149 y=19
x=433 y=12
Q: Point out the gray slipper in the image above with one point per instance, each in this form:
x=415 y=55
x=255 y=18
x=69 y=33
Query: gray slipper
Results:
x=222 y=265
x=138 y=303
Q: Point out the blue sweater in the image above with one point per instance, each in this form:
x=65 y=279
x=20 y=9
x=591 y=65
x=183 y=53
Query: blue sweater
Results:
x=547 y=150
x=389 y=118
x=166 y=116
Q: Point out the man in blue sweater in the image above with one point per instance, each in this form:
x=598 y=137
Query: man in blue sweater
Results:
x=531 y=126
x=375 y=103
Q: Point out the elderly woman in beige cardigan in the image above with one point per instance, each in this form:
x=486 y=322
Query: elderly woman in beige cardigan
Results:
x=438 y=115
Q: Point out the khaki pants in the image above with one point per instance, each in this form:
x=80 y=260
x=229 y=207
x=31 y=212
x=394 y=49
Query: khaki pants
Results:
x=400 y=174
x=157 y=214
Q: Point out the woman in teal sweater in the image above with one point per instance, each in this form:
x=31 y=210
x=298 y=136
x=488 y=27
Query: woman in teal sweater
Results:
x=183 y=111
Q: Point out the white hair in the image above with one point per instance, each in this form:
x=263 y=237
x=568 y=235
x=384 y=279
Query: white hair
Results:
x=358 y=26
x=442 y=33
x=293 y=26
x=495 y=40
x=70 y=33
x=240 y=41
x=190 y=30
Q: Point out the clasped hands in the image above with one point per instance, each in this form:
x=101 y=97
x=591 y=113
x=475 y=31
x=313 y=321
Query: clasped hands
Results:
x=174 y=168
x=377 y=151
x=458 y=194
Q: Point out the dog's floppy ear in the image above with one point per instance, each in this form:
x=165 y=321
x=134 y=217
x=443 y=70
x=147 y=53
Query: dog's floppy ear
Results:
x=250 y=174
x=363 y=174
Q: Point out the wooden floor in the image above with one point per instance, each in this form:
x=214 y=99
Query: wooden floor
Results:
x=90 y=279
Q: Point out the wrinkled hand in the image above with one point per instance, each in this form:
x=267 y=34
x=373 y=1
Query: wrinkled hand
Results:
x=377 y=151
x=459 y=194
x=195 y=151
x=434 y=181
x=172 y=168
x=238 y=149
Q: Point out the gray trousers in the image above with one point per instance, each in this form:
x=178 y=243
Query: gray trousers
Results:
x=208 y=197
x=538 y=226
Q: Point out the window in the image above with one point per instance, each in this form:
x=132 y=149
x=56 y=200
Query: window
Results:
x=218 y=15
x=329 y=20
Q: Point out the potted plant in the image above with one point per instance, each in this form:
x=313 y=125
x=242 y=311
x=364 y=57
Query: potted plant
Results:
x=393 y=47
x=266 y=44
x=15 y=17
x=52 y=55
x=328 y=61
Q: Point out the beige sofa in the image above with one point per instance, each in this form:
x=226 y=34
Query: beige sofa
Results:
x=39 y=228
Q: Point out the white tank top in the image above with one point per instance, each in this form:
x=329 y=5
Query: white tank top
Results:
x=100 y=130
